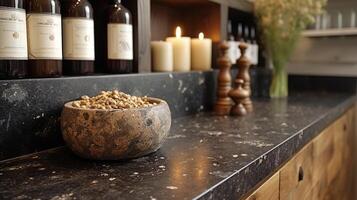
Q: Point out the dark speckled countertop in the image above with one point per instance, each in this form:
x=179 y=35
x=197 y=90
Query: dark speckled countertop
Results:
x=205 y=157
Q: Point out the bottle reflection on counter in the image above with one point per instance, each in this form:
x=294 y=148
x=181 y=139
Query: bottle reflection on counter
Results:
x=13 y=40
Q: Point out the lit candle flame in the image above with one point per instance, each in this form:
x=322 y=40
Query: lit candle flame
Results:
x=201 y=36
x=178 y=32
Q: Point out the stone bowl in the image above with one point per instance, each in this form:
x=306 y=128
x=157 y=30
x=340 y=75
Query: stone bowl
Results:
x=115 y=134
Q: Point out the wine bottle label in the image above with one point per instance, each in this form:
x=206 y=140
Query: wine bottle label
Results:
x=255 y=54
x=233 y=51
x=78 y=37
x=120 y=41
x=44 y=36
x=13 y=40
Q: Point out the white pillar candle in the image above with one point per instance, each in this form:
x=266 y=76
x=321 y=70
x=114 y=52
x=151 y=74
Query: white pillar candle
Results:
x=162 y=56
x=182 y=51
x=201 y=53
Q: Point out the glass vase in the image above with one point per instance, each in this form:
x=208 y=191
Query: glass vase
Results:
x=279 y=85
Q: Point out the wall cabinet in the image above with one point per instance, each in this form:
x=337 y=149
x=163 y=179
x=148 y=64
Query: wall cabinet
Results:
x=322 y=170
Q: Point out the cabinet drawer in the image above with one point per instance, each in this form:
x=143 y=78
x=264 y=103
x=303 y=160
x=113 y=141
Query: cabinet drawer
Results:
x=339 y=135
x=268 y=191
x=296 y=176
x=323 y=149
x=332 y=160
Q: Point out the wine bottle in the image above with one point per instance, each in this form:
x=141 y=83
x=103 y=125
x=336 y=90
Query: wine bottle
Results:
x=120 y=39
x=78 y=37
x=44 y=38
x=247 y=36
x=229 y=31
x=253 y=36
x=255 y=47
x=13 y=39
x=249 y=51
x=233 y=47
x=239 y=37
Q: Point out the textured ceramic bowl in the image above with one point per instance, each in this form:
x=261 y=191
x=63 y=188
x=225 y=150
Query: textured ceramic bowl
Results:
x=115 y=134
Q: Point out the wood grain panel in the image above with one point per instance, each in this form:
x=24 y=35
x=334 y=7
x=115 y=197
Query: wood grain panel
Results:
x=338 y=148
x=333 y=160
x=322 y=154
x=224 y=21
x=143 y=37
x=268 y=191
x=296 y=176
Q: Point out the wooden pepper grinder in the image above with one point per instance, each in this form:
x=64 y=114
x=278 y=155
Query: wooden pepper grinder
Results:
x=243 y=74
x=224 y=103
x=238 y=94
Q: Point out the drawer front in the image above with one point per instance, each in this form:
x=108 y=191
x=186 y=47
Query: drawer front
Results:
x=268 y=191
x=323 y=148
x=341 y=185
x=296 y=176
x=333 y=160
x=339 y=135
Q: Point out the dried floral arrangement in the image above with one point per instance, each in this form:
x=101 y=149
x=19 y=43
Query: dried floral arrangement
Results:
x=281 y=23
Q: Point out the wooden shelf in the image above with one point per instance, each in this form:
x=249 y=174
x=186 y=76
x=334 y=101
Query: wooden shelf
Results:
x=243 y=5
x=193 y=16
x=181 y=3
x=330 y=32
x=157 y=19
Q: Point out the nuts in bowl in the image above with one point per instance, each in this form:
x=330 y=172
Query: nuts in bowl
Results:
x=114 y=125
x=108 y=100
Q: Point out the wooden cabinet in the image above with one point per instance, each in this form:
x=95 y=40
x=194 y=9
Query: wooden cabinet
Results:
x=296 y=176
x=268 y=191
x=333 y=160
x=323 y=147
x=322 y=170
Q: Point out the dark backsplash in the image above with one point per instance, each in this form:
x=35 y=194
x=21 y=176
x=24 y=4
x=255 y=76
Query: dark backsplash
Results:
x=320 y=83
x=30 y=108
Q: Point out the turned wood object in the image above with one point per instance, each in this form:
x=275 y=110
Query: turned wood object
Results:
x=238 y=94
x=243 y=74
x=224 y=103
